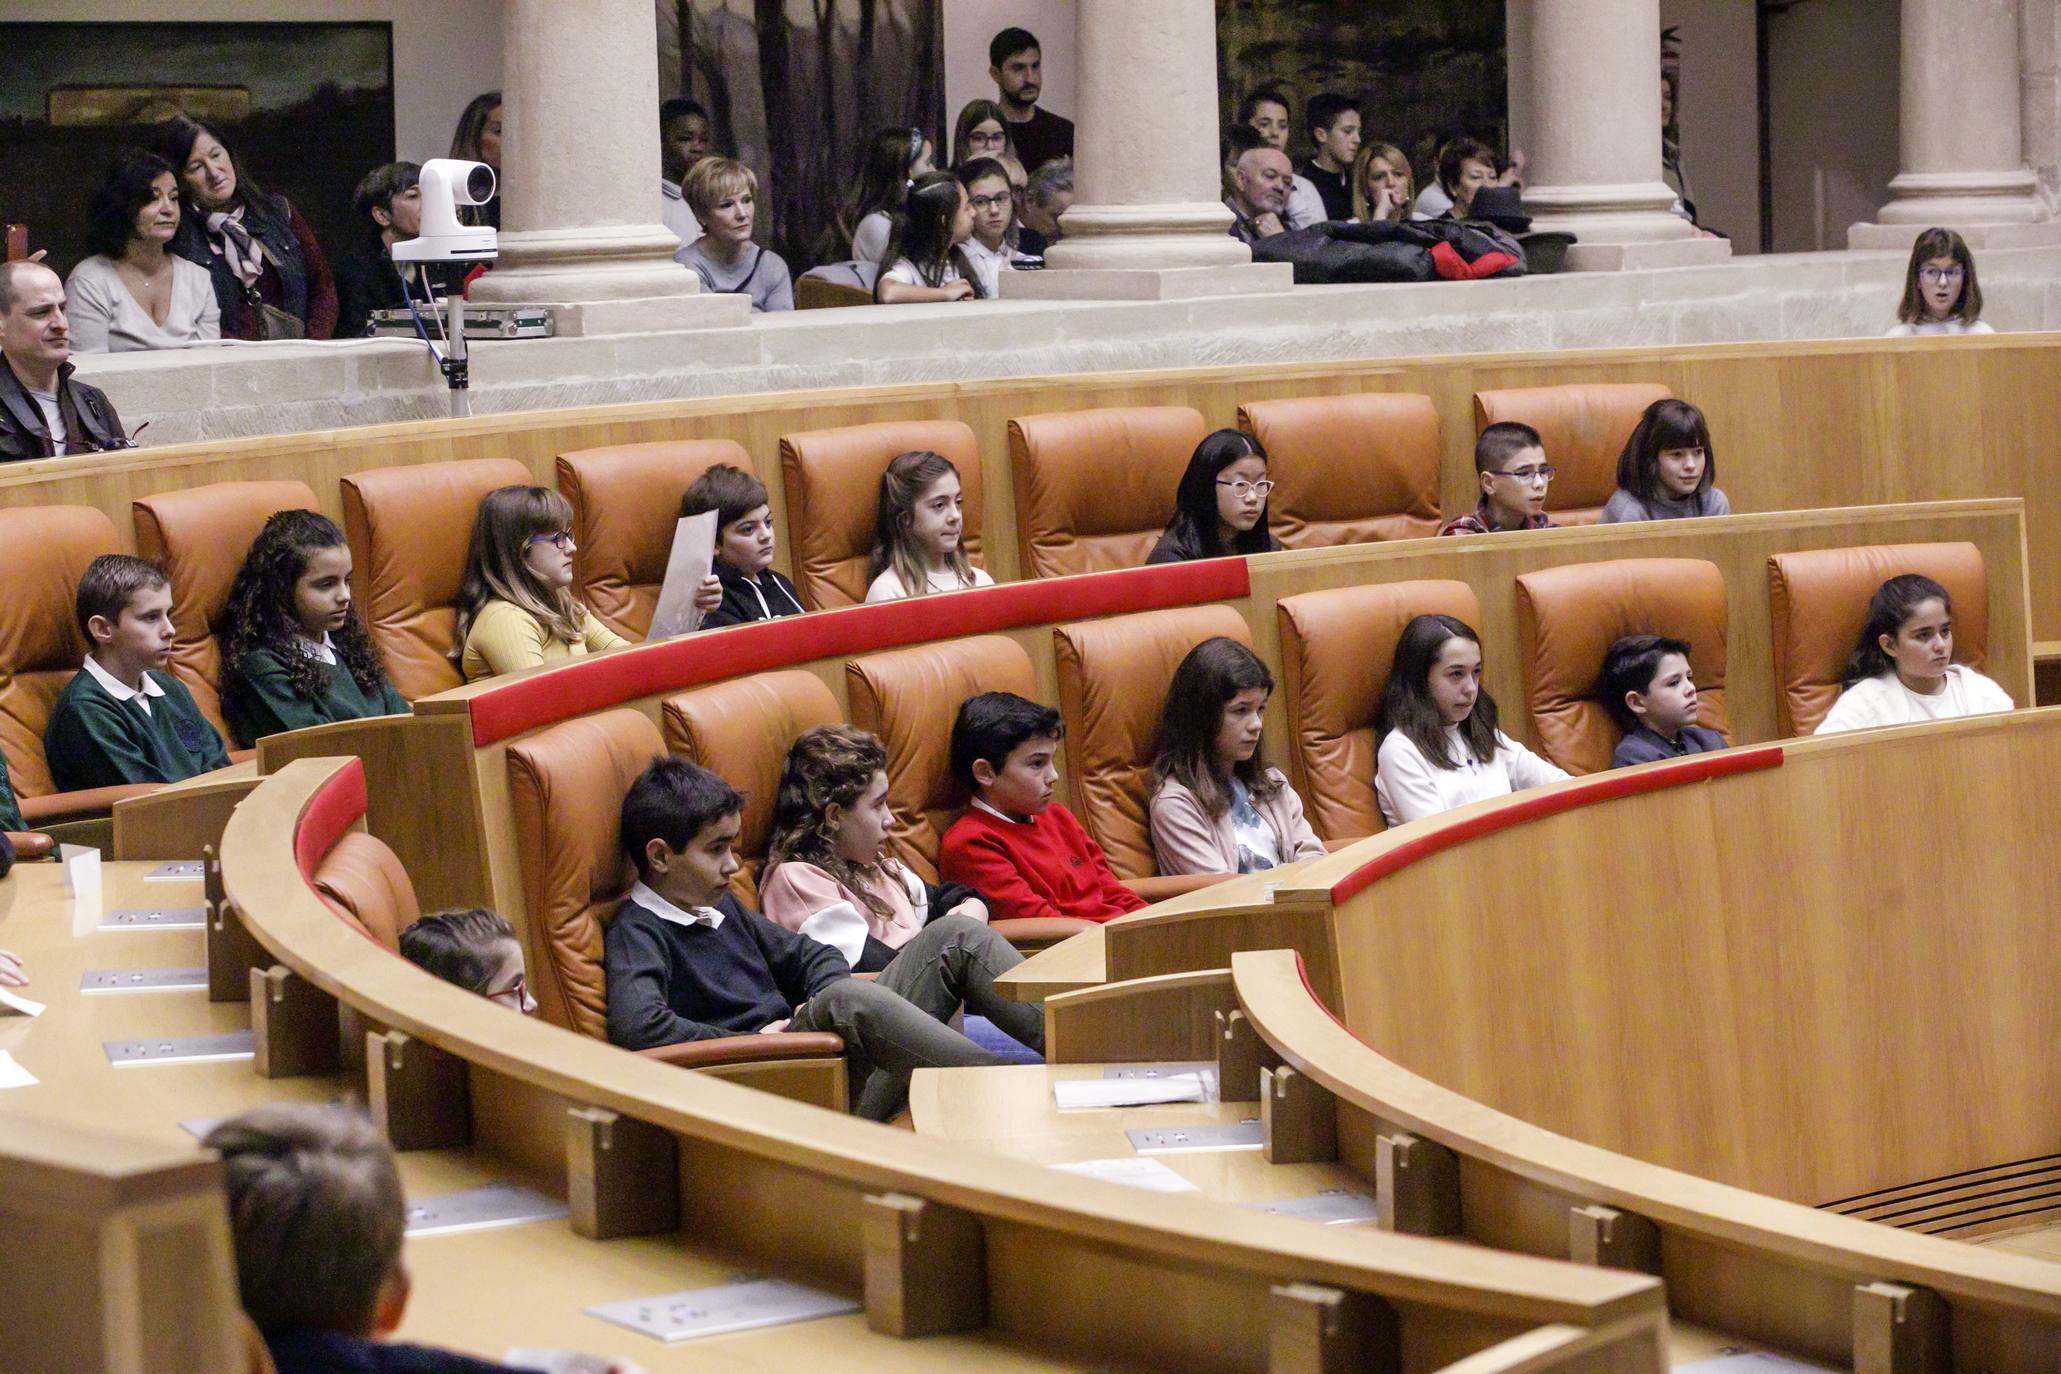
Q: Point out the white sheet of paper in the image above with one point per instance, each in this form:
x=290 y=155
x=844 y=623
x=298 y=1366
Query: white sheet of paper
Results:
x=81 y=875
x=18 y=1004
x=1149 y=1174
x=1086 y=1094
x=562 y=1361
x=1751 y=1362
x=692 y=559
x=12 y=1074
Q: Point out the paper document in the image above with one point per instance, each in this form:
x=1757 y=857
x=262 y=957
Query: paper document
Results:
x=18 y=1004
x=1149 y=1174
x=13 y=1075
x=693 y=558
x=1084 y=1094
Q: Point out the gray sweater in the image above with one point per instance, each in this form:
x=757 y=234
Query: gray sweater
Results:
x=760 y=274
x=1624 y=508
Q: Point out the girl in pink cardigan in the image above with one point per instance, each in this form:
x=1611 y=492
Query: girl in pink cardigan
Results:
x=1216 y=806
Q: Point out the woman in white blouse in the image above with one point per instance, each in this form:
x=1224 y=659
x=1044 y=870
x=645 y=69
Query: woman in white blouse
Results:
x=1440 y=747
x=132 y=294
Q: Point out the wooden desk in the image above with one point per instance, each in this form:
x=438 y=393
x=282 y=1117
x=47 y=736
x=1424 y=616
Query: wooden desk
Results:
x=1068 y=966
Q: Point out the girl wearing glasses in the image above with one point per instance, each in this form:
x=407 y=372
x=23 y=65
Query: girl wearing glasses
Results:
x=1667 y=470
x=474 y=949
x=1940 y=293
x=1220 y=507
x=994 y=215
x=516 y=609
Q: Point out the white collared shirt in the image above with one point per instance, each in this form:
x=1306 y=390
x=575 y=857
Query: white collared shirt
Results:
x=988 y=264
x=980 y=805
x=643 y=896
x=322 y=650
x=121 y=691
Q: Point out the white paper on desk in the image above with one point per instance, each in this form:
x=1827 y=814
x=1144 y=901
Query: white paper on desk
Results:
x=19 y=1005
x=1086 y=1094
x=1750 y=1362
x=565 y=1362
x=693 y=558
x=12 y=1074
x=81 y=874
x=1149 y=1174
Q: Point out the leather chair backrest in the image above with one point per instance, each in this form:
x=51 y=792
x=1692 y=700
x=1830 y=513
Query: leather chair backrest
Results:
x=1584 y=427
x=44 y=551
x=410 y=529
x=364 y=882
x=1568 y=617
x=202 y=535
x=1818 y=603
x=832 y=479
x=1095 y=488
x=1337 y=647
x=1349 y=469
x=1113 y=676
x=566 y=785
x=910 y=697
x=626 y=504
x=741 y=730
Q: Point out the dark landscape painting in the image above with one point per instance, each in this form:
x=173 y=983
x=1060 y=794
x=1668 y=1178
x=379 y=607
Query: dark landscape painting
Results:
x=1424 y=70
x=796 y=87
x=309 y=109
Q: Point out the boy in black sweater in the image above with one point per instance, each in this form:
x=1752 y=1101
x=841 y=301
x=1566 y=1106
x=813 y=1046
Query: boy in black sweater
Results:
x=685 y=960
x=123 y=719
x=744 y=547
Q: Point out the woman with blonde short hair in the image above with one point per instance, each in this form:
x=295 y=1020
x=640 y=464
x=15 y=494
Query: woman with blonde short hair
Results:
x=723 y=194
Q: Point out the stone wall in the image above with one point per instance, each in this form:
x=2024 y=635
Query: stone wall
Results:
x=232 y=391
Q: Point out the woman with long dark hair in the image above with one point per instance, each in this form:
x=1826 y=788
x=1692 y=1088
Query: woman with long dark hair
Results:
x=894 y=160
x=478 y=139
x=271 y=279
x=134 y=292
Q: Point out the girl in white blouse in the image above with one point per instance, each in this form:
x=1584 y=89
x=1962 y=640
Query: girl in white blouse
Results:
x=1902 y=671
x=132 y=294
x=1440 y=747
x=919 y=542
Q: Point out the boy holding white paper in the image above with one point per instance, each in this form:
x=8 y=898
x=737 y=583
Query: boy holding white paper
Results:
x=744 y=546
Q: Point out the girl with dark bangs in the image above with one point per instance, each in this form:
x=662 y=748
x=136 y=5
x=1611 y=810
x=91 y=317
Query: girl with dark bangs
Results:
x=1667 y=470
x=1220 y=507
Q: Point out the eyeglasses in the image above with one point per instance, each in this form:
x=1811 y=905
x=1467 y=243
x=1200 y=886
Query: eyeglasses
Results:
x=977 y=139
x=992 y=202
x=1938 y=276
x=515 y=996
x=1240 y=488
x=563 y=539
x=1537 y=474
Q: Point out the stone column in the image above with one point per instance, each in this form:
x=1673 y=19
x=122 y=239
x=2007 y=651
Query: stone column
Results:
x=1961 y=132
x=580 y=226
x=1593 y=101
x=1148 y=220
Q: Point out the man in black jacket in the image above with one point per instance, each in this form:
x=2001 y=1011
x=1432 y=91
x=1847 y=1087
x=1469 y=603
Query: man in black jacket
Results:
x=44 y=410
x=685 y=960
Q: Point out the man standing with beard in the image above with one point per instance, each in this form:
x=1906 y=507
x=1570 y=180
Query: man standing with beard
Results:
x=1016 y=63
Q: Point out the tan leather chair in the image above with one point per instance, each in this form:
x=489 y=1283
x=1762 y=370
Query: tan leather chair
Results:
x=410 y=529
x=1584 y=427
x=1818 y=602
x=832 y=479
x=1113 y=677
x=741 y=730
x=202 y=535
x=364 y=882
x=1095 y=488
x=626 y=503
x=567 y=785
x=1349 y=469
x=44 y=551
x=1337 y=648
x=1568 y=617
x=910 y=697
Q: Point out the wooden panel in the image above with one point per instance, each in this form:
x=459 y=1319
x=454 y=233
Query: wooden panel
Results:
x=1795 y=425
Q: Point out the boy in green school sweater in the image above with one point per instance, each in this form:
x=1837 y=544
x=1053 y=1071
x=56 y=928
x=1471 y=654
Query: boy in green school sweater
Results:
x=123 y=719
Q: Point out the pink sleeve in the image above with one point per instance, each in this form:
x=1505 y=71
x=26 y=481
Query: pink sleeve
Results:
x=793 y=892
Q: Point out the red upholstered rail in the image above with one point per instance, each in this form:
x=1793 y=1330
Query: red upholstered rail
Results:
x=589 y=685
x=330 y=812
x=1627 y=782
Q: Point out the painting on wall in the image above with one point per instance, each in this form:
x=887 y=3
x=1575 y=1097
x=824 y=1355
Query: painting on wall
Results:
x=795 y=90
x=1424 y=71
x=308 y=108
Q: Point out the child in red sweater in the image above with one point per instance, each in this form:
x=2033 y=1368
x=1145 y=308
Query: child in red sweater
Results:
x=1019 y=849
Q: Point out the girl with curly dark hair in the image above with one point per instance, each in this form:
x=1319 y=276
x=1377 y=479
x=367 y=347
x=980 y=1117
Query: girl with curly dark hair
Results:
x=828 y=873
x=294 y=652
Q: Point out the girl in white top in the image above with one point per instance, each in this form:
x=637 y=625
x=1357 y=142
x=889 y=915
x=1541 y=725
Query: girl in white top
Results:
x=987 y=250
x=925 y=256
x=1902 y=671
x=132 y=294
x=1940 y=292
x=894 y=159
x=1440 y=747
x=917 y=546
